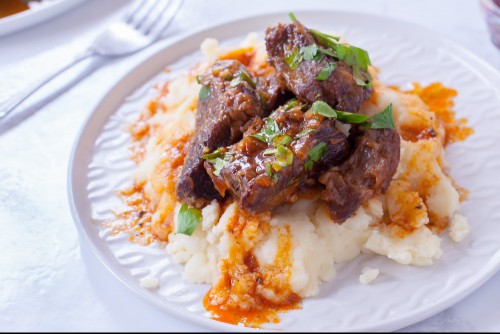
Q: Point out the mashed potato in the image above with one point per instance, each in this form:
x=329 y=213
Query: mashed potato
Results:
x=297 y=246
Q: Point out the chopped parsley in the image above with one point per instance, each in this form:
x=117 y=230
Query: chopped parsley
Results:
x=315 y=154
x=268 y=132
x=269 y=171
x=282 y=140
x=218 y=159
x=243 y=76
x=382 y=120
x=326 y=72
x=204 y=93
x=304 y=133
x=293 y=58
x=323 y=109
x=204 y=90
x=357 y=58
x=284 y=157
x=187 y=220
x=290 y=104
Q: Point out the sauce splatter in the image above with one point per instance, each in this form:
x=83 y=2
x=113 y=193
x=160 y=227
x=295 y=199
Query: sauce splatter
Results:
x=247 y=292
x=439 y=99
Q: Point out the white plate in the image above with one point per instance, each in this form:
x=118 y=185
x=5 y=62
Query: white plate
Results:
x=44 y=11
x=402 y=295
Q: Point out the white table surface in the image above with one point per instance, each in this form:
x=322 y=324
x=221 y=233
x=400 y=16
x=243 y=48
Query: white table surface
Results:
x=48 y=280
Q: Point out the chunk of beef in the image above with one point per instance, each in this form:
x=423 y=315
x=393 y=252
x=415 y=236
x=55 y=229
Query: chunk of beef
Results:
x=366 y=173
x=221 y=119
x=271 y=89
x=251 y=173
x=339 y=90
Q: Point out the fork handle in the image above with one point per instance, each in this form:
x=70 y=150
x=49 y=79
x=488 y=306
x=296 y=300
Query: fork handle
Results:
x=13 y=102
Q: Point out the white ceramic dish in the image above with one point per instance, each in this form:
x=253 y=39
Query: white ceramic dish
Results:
x=44 y=11
x=402 y=295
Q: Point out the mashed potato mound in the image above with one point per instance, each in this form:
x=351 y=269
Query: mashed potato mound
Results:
x=296 y=246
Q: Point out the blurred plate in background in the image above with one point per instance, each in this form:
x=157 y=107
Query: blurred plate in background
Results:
x=42 y=11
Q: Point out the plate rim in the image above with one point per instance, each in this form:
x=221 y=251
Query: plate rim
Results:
x=484 y=68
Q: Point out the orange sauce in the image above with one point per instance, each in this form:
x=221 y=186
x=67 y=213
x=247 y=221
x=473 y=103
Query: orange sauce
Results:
x=136 y=219
x=244 y=55
x=439 y=99
x=11 y=7
x=240 y=295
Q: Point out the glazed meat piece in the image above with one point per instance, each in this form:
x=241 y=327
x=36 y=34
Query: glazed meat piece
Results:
x=367 y=172
x=228 y=100
x=262 y=174
x=271 y=90
x=339 y=90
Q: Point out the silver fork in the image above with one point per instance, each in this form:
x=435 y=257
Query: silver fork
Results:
x=142 y=25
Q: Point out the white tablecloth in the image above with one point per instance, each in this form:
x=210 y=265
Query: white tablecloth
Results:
x=48 y=282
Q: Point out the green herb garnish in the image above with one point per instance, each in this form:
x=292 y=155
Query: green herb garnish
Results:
x=352 y=55
x=284 y=157
x=349 y=117
x=214 y=155
x=269 y=170
x=293 y=58
x=268 y=132
x=322 y=108
x=315 y=154
x=187 y=220
x=325 y=39
x=383 y=120
x=204 y=93
x=290 y=104
x=355 y=56
x=282 y=140
x=326 y=72
x=218 y=159
x=311 y=52
x=243 y=76
x=304 y=132
x=292 y=17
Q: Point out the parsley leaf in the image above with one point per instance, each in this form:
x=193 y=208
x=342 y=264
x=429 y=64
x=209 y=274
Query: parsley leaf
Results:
x=284 y=157
x=268 y=132
x=214 y=155
x=291 y=103
x=325 y=39
x=293 y=58
x=383 y=120
x=204 y=93
x=326 y=72
x=218 y=159
x=348 y=117
x=269 y=171
x=282 y=140
x=304 y=132
x=356 y=57
x=315 y=154
x=358 y=77
x=322 y=108
x=187 y=220
x=311 y=52
x=243 y=76
x=219 y=164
